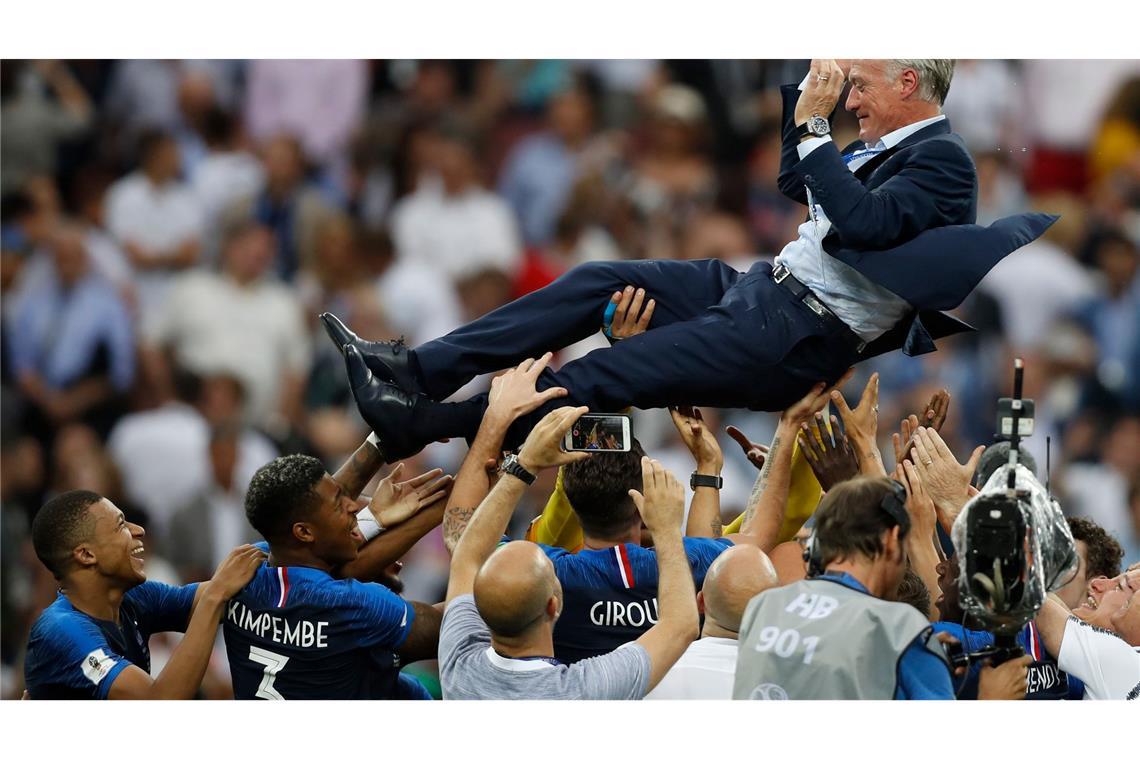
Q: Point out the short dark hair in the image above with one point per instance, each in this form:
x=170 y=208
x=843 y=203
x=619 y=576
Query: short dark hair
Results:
x=597 y=488
x=60 y=525
x=282 y=492
x=850 y=519
x=1104 y=552
x=913 y=591
x=997 y=455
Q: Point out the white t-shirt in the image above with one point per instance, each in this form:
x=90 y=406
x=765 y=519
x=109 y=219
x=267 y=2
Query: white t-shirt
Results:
x=1106 y=663
x=705 y=671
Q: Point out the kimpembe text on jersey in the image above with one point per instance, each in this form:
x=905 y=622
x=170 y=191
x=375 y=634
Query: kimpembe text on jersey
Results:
x=306 y=634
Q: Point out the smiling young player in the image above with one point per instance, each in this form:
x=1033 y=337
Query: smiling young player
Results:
x=91 y=642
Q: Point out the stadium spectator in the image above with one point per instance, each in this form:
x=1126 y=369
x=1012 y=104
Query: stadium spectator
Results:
x=451 y=223
x=35 y=121
x=204 y=529
x=287 y=204
x=72 y=346
x=270 y=354
x=283 y=96
x=157 y=219
x=707 y=668
x=91 y=643
x=225 y=174
x=540 y=171
x=162 y=452
x=497 y=636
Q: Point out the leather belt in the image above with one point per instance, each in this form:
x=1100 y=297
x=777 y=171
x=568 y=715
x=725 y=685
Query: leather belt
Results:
x=783 y=277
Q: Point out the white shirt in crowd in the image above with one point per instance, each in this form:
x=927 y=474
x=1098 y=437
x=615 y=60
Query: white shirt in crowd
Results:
x=163 y=456
x=456 y=235
x=1036 y=287
x=1106 y=663
x=705 y=671
x=157 y=218
x=416 y=302
x=220 y=180
x=255 y=333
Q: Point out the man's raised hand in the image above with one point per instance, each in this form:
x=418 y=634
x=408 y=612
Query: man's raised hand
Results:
x=661 y=500
x=828 y=453
x=697 y=436
x=933 y=416
x=947 y=481
x=235 y=571
x=394 y=502
x=821 y=93
x=513 y=394
x=756 y=452
x=543 y=447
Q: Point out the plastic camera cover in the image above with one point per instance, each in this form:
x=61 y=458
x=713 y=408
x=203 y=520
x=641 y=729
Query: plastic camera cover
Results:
x=1050 y=552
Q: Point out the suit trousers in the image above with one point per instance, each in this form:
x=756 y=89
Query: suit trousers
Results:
x=718 y=338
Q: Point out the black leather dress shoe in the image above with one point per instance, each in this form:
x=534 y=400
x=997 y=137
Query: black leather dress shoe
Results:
x=388 y=359
x=386 y=408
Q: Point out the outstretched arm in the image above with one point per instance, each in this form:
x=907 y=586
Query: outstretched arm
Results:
x=541 y=450
x=704 y=510
x=183 y=673
x=512 y=395
x=766 y=506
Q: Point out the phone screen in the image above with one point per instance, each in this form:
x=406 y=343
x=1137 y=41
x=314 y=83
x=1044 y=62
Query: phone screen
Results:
x=599 y=433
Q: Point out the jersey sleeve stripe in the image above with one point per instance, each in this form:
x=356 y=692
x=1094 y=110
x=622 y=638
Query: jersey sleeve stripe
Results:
x=283 y=579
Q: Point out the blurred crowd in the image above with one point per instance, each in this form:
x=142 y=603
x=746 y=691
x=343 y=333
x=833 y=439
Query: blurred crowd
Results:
x=171 y=229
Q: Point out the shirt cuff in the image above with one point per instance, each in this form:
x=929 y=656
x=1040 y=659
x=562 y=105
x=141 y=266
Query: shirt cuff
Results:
x=803 y=84
x=810 y=144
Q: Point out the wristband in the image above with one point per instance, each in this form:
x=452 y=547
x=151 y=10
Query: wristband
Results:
x=368 y=525
x=696 y=480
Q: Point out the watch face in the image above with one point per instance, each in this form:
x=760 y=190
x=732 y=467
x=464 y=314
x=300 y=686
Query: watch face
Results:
x=818 y=126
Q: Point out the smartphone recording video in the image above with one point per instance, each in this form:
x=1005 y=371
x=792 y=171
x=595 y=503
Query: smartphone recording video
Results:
x=598 y=432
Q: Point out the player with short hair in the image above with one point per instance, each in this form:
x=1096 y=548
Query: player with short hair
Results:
x=91 y=642
x=296 y=631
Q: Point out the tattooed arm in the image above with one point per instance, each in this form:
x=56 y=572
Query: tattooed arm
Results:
x=765 y=512
x=512 y=395
x=361 y=467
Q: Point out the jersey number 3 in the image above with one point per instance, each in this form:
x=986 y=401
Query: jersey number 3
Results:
x=273 y=663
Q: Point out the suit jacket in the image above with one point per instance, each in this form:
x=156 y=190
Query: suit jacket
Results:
x=905 y=220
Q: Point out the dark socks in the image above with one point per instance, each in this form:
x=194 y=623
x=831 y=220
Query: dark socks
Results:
x=433 y=420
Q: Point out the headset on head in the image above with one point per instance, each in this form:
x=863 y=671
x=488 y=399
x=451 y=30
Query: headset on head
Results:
x=893 y=503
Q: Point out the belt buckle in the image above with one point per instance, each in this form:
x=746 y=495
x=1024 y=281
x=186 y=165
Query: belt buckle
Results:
x=780 y=274
x=814 y=304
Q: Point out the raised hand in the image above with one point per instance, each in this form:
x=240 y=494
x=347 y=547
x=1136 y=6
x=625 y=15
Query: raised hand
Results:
x=828 y=453
x=543 y=447
x=661 y=500
x=756 y=452
x=628 y=319
x=821 y=93
x=513 y=394
x=919 y=505
x=933 y=416
x=394 y=502
x=236 y=570
x=698 y=438
x=947 y=481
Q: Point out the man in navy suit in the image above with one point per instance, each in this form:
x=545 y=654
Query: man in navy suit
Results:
x=889 y=241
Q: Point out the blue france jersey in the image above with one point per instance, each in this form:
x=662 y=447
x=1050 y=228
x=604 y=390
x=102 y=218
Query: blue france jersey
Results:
x=72 y=655
x=610 y=595
x=299 y=633
x=1043 y=681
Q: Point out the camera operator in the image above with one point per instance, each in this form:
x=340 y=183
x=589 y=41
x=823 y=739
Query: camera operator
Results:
x=795 y=642
x=1099 y=642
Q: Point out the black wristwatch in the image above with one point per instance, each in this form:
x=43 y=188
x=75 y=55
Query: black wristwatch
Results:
x=815 y=126
x=708 y=481
x=511 y=466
